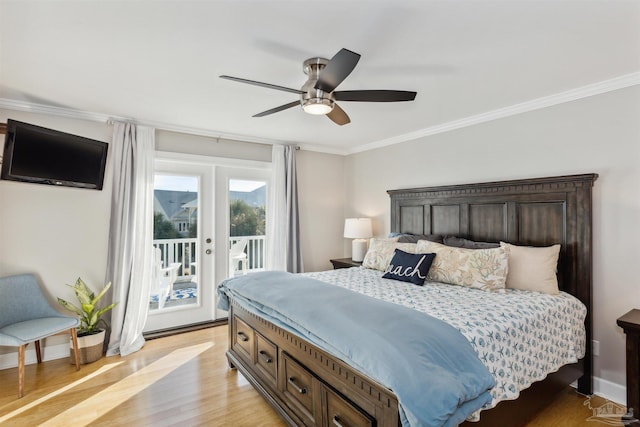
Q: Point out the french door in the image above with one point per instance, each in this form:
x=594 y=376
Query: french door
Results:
x=242 y=192
x=194 y=234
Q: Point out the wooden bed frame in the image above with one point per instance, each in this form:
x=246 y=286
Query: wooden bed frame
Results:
x=311 y=387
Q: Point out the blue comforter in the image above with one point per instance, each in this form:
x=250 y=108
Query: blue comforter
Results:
x=429 y=365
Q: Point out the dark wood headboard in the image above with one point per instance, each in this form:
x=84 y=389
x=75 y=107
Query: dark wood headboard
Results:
x=532 y=212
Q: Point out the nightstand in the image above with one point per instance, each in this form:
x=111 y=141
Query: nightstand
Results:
x=630 y=323
x=344 y=263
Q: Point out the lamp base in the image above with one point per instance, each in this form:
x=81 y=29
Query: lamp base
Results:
x=358 y=250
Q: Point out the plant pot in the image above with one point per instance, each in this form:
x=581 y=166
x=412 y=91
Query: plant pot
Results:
x=89 y=348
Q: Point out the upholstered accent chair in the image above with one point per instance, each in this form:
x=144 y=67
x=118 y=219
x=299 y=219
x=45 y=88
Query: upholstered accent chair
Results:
x=26 y=316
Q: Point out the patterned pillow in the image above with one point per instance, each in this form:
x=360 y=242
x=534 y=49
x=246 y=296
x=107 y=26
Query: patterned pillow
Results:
x=409 y=267
x=381 y=251
x=533 y=268
x=484 y=269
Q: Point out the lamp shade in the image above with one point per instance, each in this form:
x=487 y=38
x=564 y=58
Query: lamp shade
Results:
x=357 y=228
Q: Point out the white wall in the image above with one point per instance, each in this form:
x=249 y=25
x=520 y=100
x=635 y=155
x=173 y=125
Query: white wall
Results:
x=58 y=233
x=598 y=134
x=321 y=202
x=206 y=146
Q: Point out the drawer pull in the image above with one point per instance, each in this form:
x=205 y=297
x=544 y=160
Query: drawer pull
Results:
x=336 y=421
x=299 y=389
x=264 y=356
x=242 y=336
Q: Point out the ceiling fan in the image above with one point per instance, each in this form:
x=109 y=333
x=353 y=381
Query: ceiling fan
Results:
x=318 y=94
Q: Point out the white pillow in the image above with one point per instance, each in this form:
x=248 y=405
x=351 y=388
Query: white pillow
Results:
x=484 y=269
x=533 y=268
x=381 y=251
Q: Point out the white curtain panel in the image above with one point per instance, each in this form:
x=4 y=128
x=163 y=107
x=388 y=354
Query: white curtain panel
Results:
x=283 y=230
x=277 y=217
x=131 y=256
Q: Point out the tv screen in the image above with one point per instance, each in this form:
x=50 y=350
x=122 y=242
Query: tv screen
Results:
x=46 y=156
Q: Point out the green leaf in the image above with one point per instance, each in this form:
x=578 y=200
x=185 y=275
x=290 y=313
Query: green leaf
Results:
x=82 y=292
x=101 y=294
x=88 y=308
x=93 y=321
x=70 y=307
x=105 y=309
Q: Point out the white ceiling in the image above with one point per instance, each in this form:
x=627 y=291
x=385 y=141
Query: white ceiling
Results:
x=158 y=62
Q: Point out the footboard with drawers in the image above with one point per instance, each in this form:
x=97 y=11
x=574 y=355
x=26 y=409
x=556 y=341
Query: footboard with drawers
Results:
x=321 y=391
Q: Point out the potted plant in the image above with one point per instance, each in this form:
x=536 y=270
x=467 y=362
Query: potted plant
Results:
x=90 y=335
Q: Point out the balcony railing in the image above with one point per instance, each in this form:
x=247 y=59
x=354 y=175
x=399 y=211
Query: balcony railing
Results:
x=185 y=252
x=255 y=251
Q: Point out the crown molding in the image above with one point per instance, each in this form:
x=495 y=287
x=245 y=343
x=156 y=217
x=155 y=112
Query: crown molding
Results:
x=17 y=105
x=11 y=104
x=620 y=82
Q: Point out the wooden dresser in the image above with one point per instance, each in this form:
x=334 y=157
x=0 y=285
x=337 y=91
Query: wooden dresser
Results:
x=630 y=323
x=345 y=263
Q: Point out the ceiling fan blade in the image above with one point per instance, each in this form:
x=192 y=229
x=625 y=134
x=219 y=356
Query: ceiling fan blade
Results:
x=277 y=109
x=338 y=68
x=267 y=85
x=375 y=95
x=338 y=116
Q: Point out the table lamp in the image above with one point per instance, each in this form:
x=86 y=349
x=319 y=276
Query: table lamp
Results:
x=358 y=229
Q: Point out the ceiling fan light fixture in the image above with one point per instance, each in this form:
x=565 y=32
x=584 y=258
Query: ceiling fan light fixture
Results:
x=318 y=95
x=318 y=106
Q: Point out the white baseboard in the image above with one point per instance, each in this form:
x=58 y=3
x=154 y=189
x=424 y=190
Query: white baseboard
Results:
x=49 y=352
x=609 y=390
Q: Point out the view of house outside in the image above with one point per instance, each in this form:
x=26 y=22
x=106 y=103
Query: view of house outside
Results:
x=176 y=207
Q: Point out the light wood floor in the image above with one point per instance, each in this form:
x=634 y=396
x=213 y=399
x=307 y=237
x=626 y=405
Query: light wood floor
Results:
x=182 y=380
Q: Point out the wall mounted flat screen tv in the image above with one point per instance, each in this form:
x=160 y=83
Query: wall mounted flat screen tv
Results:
x=46 y=156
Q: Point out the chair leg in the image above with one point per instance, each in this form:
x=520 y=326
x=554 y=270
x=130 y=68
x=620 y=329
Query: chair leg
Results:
x=38 y=353
x=21 y=370
x=74 y=340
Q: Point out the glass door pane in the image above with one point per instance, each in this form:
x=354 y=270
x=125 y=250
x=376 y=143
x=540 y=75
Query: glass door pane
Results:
x=175 y=232
x=247 y=222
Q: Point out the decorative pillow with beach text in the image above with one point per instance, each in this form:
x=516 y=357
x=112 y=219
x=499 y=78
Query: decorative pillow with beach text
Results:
x=409 y=267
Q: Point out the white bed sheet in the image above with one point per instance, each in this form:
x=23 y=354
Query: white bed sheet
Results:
x=521 y=336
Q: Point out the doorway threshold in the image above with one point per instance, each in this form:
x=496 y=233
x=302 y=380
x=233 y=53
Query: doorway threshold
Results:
x=182 y=329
